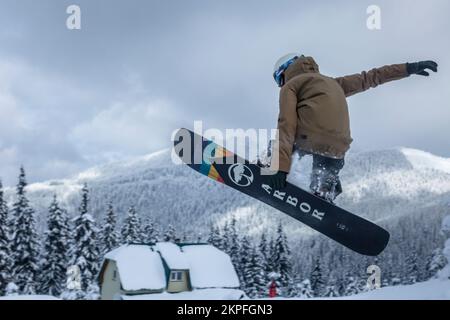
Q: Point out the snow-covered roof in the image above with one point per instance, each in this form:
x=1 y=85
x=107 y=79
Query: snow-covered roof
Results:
x=172 y=254
x=199 y=294
x=140 y=267
x=210 y=267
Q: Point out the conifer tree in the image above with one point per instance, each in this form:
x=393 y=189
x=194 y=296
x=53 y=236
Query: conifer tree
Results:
x=25 y=241
x=214 y=237
x=226 y=238
x=352 y=286
x=317 y=281
x=412 y=268
x=445 y=229
x=170 y=235
x=292 y=289
x=271 y=259
x=5 y=253
x=264 y=250
x=85 y=252
x=56 y=247
x=233 y=245
x=435 y=262
x=331 y=291
x=305 y=290
x=282 y=257
x=245 y=268
x=260 y=279
x=109 y=237
x=253 y=274
x=131 y=229
x=150 y=231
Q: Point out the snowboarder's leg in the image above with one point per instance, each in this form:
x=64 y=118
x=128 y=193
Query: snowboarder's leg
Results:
x=325 y=181
x=300 y=153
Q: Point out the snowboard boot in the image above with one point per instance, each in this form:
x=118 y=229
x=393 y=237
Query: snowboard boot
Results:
x=325 y=181
x=326 y=193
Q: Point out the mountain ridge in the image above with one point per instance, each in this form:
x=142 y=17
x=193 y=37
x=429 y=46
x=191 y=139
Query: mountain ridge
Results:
x=175 y=194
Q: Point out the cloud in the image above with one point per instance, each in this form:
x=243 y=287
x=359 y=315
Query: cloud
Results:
x=127 y=128
x=12 y=120
x=139 y=69
x=32 y=123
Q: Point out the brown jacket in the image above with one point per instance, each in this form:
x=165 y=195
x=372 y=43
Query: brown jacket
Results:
x=314 y=114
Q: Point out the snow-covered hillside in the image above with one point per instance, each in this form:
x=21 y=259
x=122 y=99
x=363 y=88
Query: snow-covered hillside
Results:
x=379 y=185
x=386 y=186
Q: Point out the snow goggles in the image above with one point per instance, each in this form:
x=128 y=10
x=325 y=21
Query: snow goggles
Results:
x=279 y=74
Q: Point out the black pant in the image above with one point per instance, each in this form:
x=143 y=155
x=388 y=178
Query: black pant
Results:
x=325 y=181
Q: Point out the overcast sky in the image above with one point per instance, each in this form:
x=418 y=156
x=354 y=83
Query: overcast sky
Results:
x=137 y=70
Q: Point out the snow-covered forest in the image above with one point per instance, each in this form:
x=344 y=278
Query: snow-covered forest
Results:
x=35 y=256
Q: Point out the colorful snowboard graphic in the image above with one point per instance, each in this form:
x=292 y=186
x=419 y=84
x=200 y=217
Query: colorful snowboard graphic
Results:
x=219 y=164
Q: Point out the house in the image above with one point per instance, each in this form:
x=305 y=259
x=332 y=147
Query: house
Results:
x=166 y=270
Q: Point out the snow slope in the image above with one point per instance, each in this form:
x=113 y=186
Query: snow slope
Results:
x=435 y=289
x=420 y=160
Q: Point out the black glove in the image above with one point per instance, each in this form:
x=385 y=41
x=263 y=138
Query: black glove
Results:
x=278 y=180
x=419 y=67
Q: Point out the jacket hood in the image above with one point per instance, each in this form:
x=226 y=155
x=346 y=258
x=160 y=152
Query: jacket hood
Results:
x=300 y=66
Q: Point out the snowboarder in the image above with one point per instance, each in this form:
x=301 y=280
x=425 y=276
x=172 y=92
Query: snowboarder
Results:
x=314 y=117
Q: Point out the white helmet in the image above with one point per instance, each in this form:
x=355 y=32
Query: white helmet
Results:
x=285 y=59
x=281 y=65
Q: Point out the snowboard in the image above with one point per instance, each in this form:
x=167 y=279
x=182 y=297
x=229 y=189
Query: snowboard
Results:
x=221 y=165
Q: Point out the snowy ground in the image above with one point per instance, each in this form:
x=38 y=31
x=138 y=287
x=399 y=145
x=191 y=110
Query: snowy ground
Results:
x=435 y=289
x=199 y=294
x=30 y=297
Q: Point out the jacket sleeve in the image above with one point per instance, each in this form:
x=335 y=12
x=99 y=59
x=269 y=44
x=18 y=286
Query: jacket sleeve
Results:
x=287 y=127
x=356 y=83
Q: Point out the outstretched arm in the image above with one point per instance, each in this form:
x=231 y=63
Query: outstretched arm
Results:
x=363 y=81
x=356 y=83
